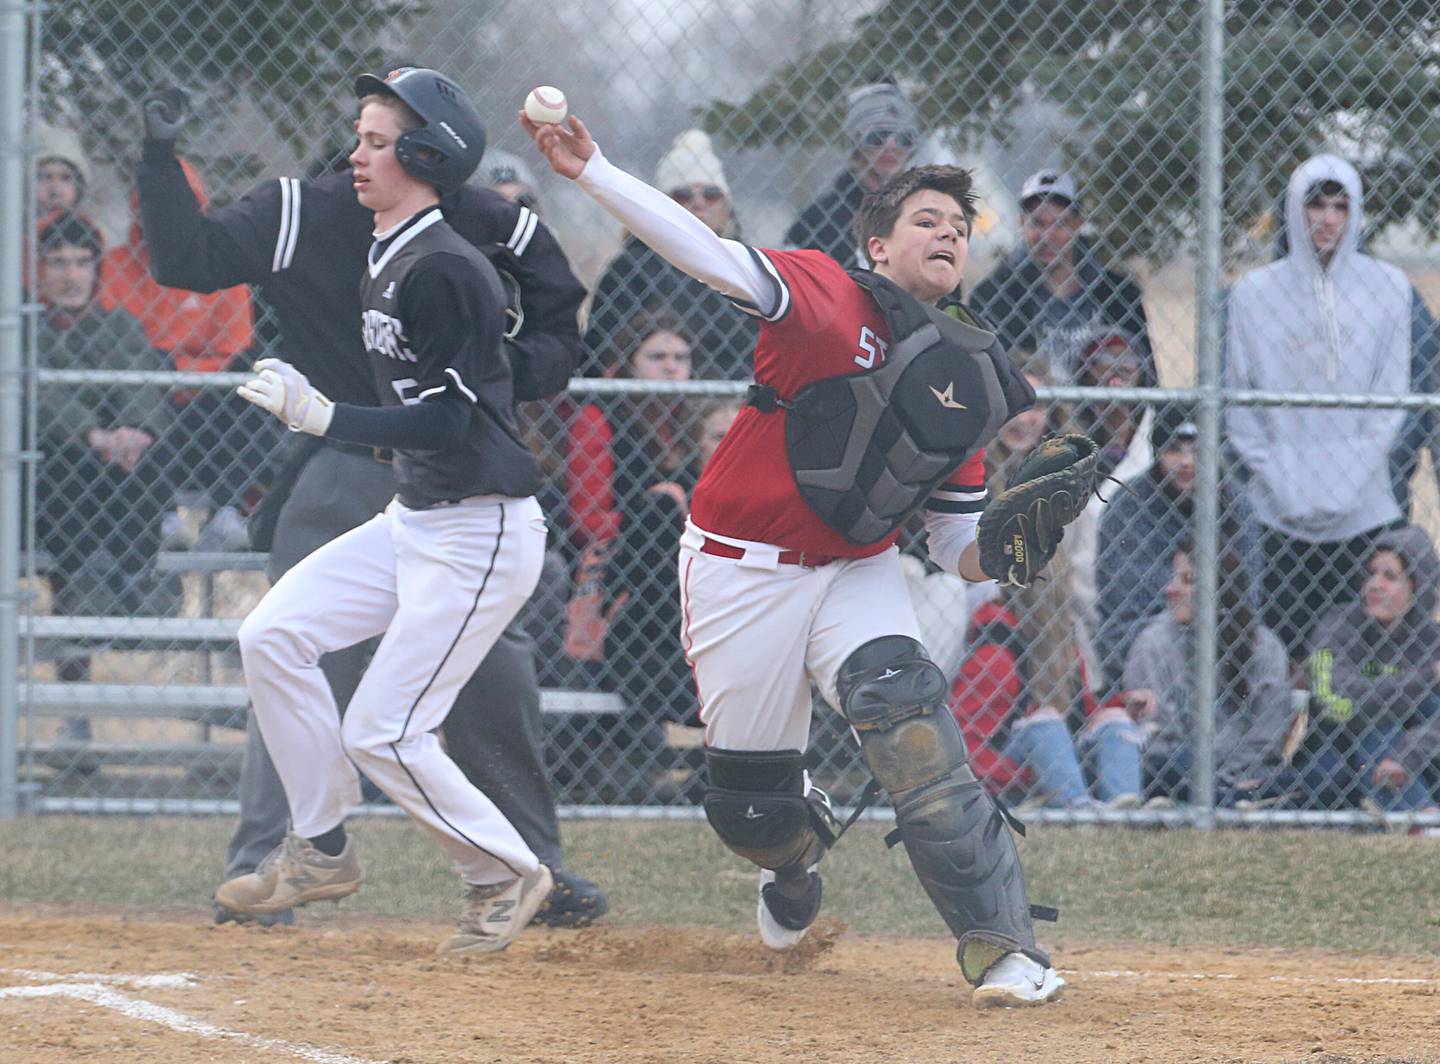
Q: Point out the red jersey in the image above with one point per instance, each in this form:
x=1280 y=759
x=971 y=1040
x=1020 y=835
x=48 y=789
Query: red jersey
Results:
x=826 y=325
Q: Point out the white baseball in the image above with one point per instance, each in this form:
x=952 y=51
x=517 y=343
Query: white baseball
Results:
x=546 y=104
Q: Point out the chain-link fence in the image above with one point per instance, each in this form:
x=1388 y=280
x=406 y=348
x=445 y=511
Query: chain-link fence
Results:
x=1278 y=506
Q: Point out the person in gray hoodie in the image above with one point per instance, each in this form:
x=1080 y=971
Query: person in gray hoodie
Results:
x=1374 y=673
x=1147 y=746
x=1326 y=319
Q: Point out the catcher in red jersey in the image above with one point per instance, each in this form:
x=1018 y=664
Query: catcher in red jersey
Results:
x=869 y=403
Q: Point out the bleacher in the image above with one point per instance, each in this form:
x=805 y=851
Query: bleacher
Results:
x=206 y=704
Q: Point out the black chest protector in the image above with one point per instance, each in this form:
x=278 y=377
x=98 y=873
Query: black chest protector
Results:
x=867 y=448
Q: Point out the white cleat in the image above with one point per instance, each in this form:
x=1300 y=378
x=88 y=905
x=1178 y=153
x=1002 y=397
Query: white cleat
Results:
x=783 y=922
x=1015 y=981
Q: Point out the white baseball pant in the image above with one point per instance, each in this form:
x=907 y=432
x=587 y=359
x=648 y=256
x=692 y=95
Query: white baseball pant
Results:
x=758 y=632
x=441 y=584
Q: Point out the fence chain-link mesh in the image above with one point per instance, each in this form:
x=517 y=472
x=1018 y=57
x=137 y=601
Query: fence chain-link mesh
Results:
x=770 y=121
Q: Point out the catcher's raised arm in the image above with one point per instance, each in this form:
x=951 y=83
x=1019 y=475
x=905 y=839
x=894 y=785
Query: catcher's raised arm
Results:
x=1021 y=528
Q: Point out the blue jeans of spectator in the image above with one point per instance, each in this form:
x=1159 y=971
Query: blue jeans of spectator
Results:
x=1045 y=748
x=1115 y=754
x=1340 y=770
x=1121 y=765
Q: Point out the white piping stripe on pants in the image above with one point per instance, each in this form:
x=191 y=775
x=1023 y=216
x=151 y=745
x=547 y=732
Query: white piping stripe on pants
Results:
x=441 y=584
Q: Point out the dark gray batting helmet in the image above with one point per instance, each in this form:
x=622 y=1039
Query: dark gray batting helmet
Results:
x=446 y=150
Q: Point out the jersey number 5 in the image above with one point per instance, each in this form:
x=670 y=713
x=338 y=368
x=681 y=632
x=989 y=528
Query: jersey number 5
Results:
x=873 y=346
x=405 y=389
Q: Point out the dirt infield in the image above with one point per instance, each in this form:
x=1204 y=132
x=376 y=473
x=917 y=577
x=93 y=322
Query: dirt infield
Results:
x=338 y=989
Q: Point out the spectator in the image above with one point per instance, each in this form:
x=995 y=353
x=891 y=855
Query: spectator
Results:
x=1327 y=319
x=1139 y=530
x=639 y=280
x=1373 y=675
x=1145 y=748
x=96 y=500
x=621 y=447
x=637 y=601
x=1017 y=745
x=1052 y=295
x=508 y=175
x=1419 y=431
x=1109 y=359
x=1045 y=609
x=1023 y=673
x=645 y=660
x=98 y=497
x=712 y=421
x=218 y=441
x=62 y=170
x=881 y=129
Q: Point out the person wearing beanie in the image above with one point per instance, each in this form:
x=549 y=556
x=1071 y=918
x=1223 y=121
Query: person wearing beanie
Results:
x=1139 y=529
x=1052 y=293
x=97 y=509
x=881 y=130
x=639 y=281
x=508 y=175
x=62 y=170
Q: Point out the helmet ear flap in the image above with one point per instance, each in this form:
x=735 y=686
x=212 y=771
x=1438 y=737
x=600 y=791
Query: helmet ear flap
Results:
x=445 y=151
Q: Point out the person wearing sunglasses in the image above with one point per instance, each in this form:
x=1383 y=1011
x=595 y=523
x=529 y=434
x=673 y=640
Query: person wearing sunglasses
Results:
x=639 y=281
x=882 y=129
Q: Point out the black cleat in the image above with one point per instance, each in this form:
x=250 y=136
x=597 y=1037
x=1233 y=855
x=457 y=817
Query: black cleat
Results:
x=574 y=902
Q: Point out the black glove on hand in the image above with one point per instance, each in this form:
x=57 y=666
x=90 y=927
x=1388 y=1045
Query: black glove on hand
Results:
x=165 y=113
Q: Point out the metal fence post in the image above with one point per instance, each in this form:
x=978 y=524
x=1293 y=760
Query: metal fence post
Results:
x=12 y=213
x=1207 y=488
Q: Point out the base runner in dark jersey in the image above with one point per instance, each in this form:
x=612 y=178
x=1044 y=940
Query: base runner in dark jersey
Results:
x=440 y=573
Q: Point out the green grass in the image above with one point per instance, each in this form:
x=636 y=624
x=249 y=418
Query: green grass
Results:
x=1360 y=893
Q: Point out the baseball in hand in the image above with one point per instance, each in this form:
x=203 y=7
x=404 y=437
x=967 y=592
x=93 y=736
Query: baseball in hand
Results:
x=546 y=105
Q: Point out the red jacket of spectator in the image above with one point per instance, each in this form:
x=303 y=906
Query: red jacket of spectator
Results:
x=615 y=452
x=589 y=477
x=991 y=691
x=200 y=333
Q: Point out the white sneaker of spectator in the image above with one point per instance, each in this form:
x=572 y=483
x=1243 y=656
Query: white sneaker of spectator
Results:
x=175 y=533
x=224 y=533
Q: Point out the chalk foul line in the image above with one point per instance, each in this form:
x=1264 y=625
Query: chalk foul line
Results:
x=98 y=989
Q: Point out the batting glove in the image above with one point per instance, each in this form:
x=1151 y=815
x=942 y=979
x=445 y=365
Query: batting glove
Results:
x=284 y=391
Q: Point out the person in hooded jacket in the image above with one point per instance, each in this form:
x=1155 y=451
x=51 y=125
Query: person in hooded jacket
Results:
x=1325 y=318
x=1144 y=747
x=1374 y=674
x=1139 y=529
x=639 y=280
x=1419 y=432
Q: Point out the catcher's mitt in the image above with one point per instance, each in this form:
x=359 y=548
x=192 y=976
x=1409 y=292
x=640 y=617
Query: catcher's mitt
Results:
x=1021 y=527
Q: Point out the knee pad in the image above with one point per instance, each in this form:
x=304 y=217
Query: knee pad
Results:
x=894 y=697
x=756 y=802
